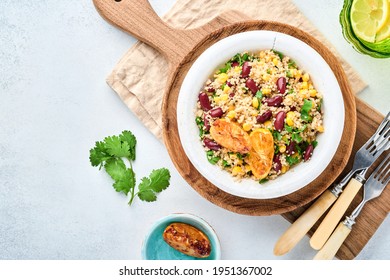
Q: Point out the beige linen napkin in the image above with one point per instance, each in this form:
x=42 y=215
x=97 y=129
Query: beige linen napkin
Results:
x=134 y=77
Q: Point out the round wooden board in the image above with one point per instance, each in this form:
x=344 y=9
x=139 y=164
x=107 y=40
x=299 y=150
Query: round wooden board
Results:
x=181 y=48
x=231 y=202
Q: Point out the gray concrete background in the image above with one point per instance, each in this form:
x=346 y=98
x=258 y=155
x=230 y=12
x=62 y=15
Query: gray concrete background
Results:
x=54 y=104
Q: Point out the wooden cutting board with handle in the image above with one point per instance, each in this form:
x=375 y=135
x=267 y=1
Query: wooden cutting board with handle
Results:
x=181 y=48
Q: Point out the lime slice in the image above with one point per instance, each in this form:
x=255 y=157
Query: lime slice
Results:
x=384 y=32
x=368 y=17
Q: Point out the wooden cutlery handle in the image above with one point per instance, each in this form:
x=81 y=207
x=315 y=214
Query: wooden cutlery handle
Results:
x=334 y=243
x=303 y=224
x=335 y=214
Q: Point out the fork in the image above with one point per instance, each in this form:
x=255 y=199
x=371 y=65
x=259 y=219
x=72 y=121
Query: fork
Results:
x=364 y=157
x=372 y=189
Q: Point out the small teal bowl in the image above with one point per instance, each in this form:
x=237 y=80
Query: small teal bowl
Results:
x=155 y=248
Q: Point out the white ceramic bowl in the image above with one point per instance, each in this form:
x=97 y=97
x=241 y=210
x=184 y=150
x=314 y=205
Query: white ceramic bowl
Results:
x=308 y=60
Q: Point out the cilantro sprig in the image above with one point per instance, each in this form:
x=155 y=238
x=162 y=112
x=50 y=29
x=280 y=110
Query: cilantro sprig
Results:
x=110 y=154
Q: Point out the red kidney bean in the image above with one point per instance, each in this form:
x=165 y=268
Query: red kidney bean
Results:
x=216 y=112
x=231 y=94
x=264 y=117
x=204 y=101
x=279 y=120
x=281 y=85
x=308 y=152
x=246 y=69
x=235 y=63
x=277 y=163
x=211 y=89
x=251 y=85
x=292 y=108
x=275 y=101
x=206 y=123
x=212 y=145
x=229 y=84
x=290 y=148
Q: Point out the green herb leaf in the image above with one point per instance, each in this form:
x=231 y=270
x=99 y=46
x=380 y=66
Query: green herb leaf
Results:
x=262 y=181
x=211 y=158
x=99 y=154
x=319 y=106
x=110 y=154
x=117 y=148
x=288 y=128
x=126 y=183
x=259 y=94
x=116 y=168
x=314 y=143
x=129 y=138
x=291 y=64
x=158 y=181
x=147 y=195
x=225 y=164
x=277 y=136
x=289 y=74
x=225 y=68
x=296 y=137
x=281 y=55
x=200 y=125
x=292 y=160
x=305 y=111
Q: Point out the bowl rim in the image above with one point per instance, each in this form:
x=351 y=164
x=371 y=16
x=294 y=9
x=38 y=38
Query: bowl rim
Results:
x=226 y=184
x=211 y=233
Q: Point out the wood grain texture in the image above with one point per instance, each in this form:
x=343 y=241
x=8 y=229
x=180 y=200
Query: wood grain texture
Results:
x=376 y=210
x=244 y=205
x=182 y=47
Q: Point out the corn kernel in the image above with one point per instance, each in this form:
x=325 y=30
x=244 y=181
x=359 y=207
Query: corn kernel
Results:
x=255 y=102
x=217 y=99
x=285 y=168
x=306 y=77
x=224 y=97
x=266 y=91
x=231 y=114
x=226 y=89
x=237 y=69
x=320 y=128
x=282 y=148
x=236 y=170
x=304 y=85
x=247 y=126
x=268 y=124
x=248 y=168
x=290 y=115
x=266 y=77
x=254 y=114
x=304 y=93
x=231 y=108
x=289 y=122
x=298 y=74
x=293 y=72
x=312 y=92
x=275 y=61
x=222 y=78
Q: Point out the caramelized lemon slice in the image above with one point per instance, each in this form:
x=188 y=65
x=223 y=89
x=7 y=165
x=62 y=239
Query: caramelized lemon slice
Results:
x=231 y=136
x=261 y=156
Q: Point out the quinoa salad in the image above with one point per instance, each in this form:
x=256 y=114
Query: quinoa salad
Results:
x=259 y=115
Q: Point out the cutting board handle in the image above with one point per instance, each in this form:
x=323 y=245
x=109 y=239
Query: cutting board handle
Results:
x=138 y=18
